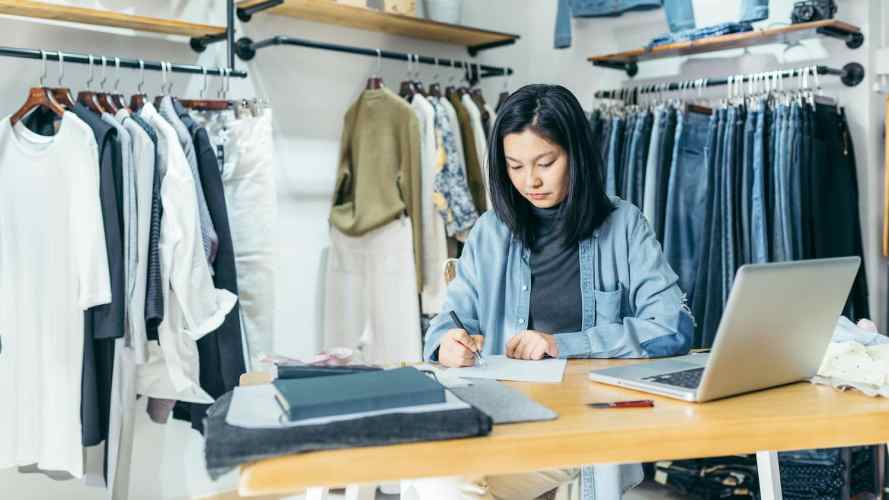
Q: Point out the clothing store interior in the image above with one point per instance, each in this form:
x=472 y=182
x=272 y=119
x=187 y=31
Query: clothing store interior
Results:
x=444 y=249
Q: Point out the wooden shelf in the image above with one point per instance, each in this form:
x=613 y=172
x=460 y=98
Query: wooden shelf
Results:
x=330 y=12
x=96 y=17
x=785 y=34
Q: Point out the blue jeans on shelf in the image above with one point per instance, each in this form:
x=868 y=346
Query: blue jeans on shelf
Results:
x=751 y=11
x=680 y=15
x=687 y=198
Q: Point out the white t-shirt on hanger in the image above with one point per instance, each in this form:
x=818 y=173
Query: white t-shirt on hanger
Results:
x=53 y=266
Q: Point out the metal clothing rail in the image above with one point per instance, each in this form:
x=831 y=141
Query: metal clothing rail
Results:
x=246 y=50
x=851 y=75
x=71 y=57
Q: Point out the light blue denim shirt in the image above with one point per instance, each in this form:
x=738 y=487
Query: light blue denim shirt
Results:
x=632 y=306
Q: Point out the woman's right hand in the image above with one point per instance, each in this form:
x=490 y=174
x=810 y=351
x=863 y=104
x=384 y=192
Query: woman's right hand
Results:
x=457 y=348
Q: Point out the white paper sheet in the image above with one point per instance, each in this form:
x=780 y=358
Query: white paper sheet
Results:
x=547 y=371
x=254 y=407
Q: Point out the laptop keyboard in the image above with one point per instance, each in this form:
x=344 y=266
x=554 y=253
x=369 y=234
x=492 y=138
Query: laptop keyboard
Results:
x=690 y=379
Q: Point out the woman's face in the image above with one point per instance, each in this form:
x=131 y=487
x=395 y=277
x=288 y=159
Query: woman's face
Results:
x=537 y=168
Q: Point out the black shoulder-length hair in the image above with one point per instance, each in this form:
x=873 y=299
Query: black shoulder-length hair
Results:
x=553 y=113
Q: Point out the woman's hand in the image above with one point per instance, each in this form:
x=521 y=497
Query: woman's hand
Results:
x=530 y=344
x=457 y=348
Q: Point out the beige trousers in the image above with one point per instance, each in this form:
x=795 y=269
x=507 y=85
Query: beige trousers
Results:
x=505 y=487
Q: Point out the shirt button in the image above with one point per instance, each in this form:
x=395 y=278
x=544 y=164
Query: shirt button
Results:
x=524 y=288
x=521 y=321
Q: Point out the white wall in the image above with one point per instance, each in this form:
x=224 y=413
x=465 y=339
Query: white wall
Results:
x=310 y=90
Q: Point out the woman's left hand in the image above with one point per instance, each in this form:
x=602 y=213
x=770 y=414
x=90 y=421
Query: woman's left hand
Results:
x=533 y=345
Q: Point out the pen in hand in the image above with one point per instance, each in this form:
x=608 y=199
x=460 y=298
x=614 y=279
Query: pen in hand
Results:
x=478 y=355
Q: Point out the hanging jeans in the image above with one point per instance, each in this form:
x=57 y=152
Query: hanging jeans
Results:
x=652 y=167
x=615 y=149
x=834 y=188
x=708 y=277
x=758 y=238
x=687 y=198
x=371 y=294
x=638 y=160
x=680 y=15
x=665 y=165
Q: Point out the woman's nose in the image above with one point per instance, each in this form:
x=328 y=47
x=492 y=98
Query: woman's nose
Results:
x=533 y=181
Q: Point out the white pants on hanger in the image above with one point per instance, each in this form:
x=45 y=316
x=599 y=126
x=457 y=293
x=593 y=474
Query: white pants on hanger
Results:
x=248 y=179
x=371 y=300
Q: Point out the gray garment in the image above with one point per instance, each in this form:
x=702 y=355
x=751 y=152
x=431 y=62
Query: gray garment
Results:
x=556 y=303
x=128 y=169
x=208 y=231
x=154 y=295
x=502 y=403
x=145 y=151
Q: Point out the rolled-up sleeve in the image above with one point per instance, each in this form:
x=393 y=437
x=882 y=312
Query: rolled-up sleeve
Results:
x=660 y=323
x=462 y=298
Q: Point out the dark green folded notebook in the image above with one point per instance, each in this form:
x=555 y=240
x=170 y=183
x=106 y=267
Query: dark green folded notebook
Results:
x=344 y=394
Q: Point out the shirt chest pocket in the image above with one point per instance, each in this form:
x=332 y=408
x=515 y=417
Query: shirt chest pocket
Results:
x=609 y=306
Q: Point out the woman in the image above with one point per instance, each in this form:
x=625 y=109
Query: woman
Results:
x=556 y=269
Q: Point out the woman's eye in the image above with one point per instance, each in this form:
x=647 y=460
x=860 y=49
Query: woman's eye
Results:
x=515 y=167
x=544 y=165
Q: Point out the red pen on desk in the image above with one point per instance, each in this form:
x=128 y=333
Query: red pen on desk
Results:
x=642 y=403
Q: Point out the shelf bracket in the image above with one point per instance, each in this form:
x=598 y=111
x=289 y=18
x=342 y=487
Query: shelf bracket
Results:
x=853 y=74
x=200 y=44
x=246 y=13
x=475 y=49
x=629 y=66
x=853 y=39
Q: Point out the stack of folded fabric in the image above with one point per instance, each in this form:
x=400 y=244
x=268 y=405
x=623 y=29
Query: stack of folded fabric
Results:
x=270 y=420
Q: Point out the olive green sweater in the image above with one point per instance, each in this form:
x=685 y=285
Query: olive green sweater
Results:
x=378 y=178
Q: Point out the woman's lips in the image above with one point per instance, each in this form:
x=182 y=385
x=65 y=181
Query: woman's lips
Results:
x=538 y=196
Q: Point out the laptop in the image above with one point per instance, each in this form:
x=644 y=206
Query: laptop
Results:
x=776 y=327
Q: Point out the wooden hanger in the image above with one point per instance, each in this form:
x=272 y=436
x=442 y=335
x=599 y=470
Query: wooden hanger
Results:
x=435 y=88
x=211 y=104
x=88 y=97
x=375 y=82
x=38 y=97
x=137 y=100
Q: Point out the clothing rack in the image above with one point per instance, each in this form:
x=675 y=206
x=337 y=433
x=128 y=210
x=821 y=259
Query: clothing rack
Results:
x=246 y=50
x=113 y=61
x=851 y=75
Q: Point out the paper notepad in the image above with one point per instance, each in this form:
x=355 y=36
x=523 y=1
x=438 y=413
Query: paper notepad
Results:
x=546 y=371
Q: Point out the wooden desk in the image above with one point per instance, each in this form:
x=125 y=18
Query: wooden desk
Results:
x=798 y=416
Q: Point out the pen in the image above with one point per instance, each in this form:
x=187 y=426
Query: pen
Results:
x=460 y=325
x=642 y=403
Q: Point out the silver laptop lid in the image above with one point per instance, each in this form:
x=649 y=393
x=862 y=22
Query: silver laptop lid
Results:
x=777 y=324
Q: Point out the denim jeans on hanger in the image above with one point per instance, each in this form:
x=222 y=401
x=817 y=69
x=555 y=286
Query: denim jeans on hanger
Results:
x=665 y=161
x=652 y=166
x=729 y=197
x=795 y=130
x=707 y=277
x=680 y=14
x=687 y=198
x=623 y=166
x=780 y=211
x=615 y=150
x=745 y=206
x=759 y=242
x=637 y=159
x=604 y=144
x=835 y=199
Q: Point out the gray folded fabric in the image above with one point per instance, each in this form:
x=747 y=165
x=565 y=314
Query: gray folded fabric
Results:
x=228 y=446
x=502 y=403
